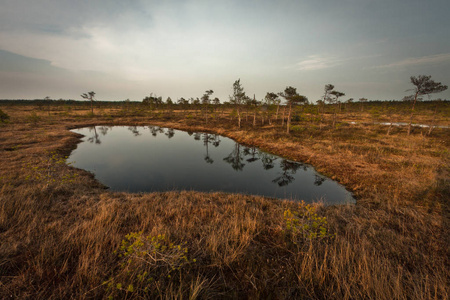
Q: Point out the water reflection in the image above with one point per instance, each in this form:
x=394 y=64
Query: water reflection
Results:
x=104 y=129
x=252 y=152
x=289 y=168
x=235 y=158
x=208 y=139
x=154 y=130
x=134 y=130
x=170 y=133
x=319 y=180
x=267 y=160
x=94 y=138
x=177 y=161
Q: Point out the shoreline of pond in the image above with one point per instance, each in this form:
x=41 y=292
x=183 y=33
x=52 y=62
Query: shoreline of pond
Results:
x=241 y=136
x=330 y=182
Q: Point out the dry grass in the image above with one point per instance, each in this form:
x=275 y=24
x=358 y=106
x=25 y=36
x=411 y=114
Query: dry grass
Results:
x=58 y=237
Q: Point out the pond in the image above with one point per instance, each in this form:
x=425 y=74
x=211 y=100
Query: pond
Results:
x=151 y=158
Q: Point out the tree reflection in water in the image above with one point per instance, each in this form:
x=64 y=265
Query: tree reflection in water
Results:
x=202 y=157
x=251 y=151
x=95 y=138
x=134 y=130
x=318 y=180
x=197 y=136
x=170 y=133
x=208 y=139
x=216 y=140
x=235 y=158
x=154 y=130
x=288 y=169
x=104 y=129
x=267 y=160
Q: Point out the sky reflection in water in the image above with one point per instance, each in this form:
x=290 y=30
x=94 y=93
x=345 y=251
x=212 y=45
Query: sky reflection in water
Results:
x=150 y=158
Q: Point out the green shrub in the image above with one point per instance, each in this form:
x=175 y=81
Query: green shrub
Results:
x=304 y=224
x=297 y=128
x=50 y=171
x=147 y=264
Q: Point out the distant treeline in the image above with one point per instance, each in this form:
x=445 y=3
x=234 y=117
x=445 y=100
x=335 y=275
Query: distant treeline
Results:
x=104 y=102
x=60 y=101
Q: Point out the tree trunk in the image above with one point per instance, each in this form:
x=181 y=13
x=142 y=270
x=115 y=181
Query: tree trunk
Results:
x=282 y=119
x=334 y=116
x=433 y=123
x=289 y=119
x=239 y=117
x=412 y=113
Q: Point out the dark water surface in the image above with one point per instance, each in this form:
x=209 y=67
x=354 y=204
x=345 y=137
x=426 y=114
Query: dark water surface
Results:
x=150 y=158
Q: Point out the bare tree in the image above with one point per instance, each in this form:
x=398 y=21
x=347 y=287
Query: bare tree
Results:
x=89 y=96
x=424 y=85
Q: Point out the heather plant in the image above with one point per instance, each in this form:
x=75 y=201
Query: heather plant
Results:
x=51 y=171
x=147 y=264
x=305 y=224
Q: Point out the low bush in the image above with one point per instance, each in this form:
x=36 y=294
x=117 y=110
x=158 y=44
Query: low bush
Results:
x=147 y=265
x=4 y=117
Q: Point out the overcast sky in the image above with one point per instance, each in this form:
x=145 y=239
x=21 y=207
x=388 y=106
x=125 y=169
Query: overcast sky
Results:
x=129 y=49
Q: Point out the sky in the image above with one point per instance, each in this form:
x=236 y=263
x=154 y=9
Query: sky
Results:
x=130 y=49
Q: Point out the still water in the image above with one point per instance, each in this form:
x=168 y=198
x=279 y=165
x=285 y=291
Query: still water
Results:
x=151 y=158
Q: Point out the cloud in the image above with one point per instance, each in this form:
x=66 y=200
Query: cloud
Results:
x=316 y=62
x=414 y=61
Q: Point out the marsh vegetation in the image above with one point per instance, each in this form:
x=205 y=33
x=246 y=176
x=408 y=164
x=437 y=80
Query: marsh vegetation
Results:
x=64 y=235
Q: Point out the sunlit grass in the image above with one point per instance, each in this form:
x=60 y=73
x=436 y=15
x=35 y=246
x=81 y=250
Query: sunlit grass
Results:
x=58 y=238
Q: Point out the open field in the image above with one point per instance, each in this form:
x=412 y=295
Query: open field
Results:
x=60 y=228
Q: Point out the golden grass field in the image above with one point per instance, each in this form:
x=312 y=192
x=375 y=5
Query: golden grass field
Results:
x=61 y=230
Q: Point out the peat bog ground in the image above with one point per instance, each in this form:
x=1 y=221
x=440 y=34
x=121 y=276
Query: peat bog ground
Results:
x=64 y=235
